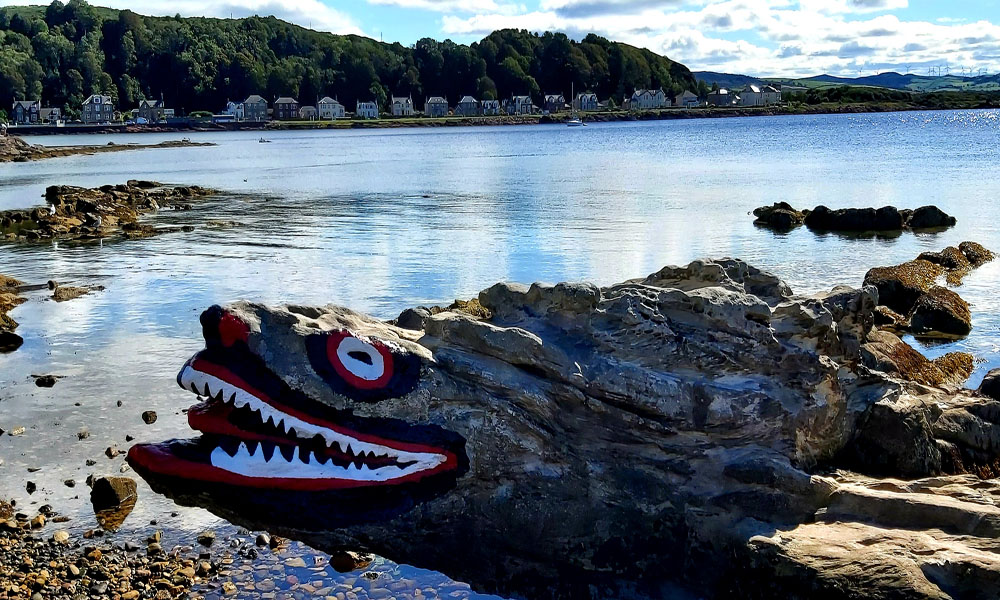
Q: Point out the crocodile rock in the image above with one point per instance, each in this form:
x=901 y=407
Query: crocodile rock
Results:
x=698 y=429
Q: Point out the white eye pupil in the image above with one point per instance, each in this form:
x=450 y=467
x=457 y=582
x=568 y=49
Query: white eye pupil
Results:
x=362 y=359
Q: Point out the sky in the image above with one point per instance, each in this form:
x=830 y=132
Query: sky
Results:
x=753 y=37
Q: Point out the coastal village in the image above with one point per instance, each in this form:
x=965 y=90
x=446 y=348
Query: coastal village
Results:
x=100 y=109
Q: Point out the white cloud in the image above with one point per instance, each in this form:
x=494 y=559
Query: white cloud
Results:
x=763 y=37
x=451 y=6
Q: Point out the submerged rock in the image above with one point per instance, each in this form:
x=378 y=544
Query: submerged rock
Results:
x=585 y=436
x=113 y=499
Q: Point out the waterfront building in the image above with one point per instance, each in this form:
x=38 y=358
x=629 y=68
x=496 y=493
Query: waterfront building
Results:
x=367 y=110
x=467 y=107
x=646 y=100
x=520 y=105
x=555 y=102
x=436 y=106
x=97 y=109
x=402 y=106
x=254 y=109
x=586 y=101
x=329 y=109
x=49 y=116
x=26 y=112
x=308 y=113
x=688 y=99
x=286 y=109
x=753 y=95
x=721 y=97
x=490 y=107
x=152 y=111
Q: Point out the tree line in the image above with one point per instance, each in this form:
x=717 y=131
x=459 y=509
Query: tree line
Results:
x=64 y=52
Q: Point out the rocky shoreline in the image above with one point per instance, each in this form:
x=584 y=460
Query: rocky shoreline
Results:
x=95 y=213
x=14 y=149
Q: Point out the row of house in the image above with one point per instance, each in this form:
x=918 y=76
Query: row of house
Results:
x=99 y=108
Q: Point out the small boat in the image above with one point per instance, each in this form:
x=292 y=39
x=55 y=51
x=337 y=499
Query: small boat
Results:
x=263 y=141
x=575 y=122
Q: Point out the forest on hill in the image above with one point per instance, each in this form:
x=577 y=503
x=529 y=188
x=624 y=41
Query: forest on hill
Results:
x=63 y=52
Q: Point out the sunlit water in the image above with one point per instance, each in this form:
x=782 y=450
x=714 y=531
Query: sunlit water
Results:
x=384 y=220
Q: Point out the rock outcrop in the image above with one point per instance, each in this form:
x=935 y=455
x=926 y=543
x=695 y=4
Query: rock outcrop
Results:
x=81 y=213
x=575 y=439
x=782 y=216
x=14 y=149
x=911 y=300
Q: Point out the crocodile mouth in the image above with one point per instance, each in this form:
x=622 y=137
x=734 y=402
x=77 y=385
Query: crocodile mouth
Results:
x=258 y=432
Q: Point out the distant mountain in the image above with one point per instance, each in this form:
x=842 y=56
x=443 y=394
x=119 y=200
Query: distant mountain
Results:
x=890 y=80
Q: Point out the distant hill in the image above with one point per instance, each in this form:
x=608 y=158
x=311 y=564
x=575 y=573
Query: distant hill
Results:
x=62 y=53
x=889 y=80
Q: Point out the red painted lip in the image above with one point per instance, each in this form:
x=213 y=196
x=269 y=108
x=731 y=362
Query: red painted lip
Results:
x=159 y=459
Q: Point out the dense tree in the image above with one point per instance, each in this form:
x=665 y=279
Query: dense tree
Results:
x=68 y=50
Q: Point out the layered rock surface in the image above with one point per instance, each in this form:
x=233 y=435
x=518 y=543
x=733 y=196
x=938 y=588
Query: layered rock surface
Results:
x=14 y=149
x=701 y=417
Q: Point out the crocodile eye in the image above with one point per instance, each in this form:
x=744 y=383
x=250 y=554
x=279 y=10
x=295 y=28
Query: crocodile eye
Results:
x=364 y=365
x=363 y=369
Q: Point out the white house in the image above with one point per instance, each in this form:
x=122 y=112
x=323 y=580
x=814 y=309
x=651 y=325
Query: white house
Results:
x=753 y=95
x=647 y=99
x=586 y=102
x=490 y=107
x=367 y=110
x=329 y=109
x=687 y=100
x=235 y=110
x=402 y=106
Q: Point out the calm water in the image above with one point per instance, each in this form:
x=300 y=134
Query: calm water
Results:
x=383 y=220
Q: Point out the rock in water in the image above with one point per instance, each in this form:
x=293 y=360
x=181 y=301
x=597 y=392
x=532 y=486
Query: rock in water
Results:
x=10 y=341
x=113 y=499
x=929 y=217
x=941 y=310
x=991 y=385
x=569 y=440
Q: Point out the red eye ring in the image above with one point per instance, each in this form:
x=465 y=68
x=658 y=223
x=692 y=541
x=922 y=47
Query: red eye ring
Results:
x=342 y=346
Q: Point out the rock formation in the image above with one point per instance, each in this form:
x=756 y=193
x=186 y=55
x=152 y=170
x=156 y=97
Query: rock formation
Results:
x=781 y=216
x=911 y=300
x=81 y=213
x=14 y=149
x=700 y=428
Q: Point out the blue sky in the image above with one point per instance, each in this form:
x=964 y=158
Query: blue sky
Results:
x=758 y=37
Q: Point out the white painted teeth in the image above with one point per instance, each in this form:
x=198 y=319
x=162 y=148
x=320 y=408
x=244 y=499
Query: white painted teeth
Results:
x=256 y=464
x=193 y=379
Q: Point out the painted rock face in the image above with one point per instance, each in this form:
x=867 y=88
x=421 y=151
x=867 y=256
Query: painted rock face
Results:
x=259 y=432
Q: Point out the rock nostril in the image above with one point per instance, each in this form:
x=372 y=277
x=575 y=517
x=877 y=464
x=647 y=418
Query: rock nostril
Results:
x=232 y=330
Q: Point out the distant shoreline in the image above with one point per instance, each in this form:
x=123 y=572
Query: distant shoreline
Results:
x=665 y=114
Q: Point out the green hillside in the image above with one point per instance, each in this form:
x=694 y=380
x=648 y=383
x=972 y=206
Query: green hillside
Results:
x=64 y=52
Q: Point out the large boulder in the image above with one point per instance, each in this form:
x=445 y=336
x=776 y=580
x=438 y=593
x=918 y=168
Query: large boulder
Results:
x=943 y=311
x=930 y=217
x=586 y=436
x=991 y=385
x=900 y=286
